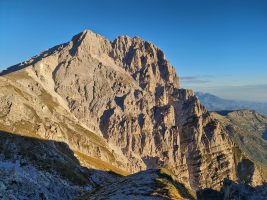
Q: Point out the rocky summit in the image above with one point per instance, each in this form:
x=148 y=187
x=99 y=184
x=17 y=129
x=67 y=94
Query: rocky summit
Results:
x=79 y=118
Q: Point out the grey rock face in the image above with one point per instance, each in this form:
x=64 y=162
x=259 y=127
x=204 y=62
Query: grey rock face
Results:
x=128 y=94
x=127 y=91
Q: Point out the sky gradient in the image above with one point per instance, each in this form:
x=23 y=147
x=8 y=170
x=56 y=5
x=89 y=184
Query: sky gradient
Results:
x=217 y=46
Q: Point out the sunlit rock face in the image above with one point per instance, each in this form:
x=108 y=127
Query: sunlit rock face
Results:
x=120 y=101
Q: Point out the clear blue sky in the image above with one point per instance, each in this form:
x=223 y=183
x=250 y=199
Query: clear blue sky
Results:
x=219 y=46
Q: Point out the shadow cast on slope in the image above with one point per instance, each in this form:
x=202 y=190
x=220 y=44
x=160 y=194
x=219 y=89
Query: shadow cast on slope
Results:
x=233 y=190
x=48 y=155
x=264 y=135
x=236 y=190
x=181 y=188
x=58 y=159
x=245 y=171
x=224 y=112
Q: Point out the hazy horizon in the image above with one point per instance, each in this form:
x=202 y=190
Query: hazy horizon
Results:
x=233 y=95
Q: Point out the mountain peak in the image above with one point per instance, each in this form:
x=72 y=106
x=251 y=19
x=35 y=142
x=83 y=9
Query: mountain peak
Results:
x=88 y=42
x=86 y=34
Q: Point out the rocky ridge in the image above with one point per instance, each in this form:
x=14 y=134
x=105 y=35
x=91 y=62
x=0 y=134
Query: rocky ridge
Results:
x=150 y=184
x=119 y=106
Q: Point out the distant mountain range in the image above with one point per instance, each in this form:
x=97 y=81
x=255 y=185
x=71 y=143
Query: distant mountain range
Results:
x=215 y=103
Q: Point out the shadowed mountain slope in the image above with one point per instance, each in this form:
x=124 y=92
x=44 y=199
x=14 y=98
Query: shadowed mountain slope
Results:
x=34 y=168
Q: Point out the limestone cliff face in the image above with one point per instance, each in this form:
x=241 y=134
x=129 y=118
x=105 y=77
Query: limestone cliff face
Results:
x=128 y=94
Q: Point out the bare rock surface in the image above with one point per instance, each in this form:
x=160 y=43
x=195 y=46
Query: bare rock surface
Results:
x=234 y=191
x=119 y=106
x=145 y=185
x=34 y=168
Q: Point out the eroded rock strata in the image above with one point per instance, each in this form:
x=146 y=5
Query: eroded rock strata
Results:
x=119 y=106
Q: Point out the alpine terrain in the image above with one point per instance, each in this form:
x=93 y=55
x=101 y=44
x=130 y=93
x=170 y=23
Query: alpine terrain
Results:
x=100 y=119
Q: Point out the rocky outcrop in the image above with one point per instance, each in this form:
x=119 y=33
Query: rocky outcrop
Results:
x=146 y=185
x=246 y=129
x=234 y=191
x=119 y=102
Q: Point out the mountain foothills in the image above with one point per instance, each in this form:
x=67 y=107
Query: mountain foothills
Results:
x=100 y=119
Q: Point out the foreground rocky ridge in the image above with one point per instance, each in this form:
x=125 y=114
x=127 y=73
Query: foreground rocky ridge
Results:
x=119 y=107
x=34 y=168
x=147 y=185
